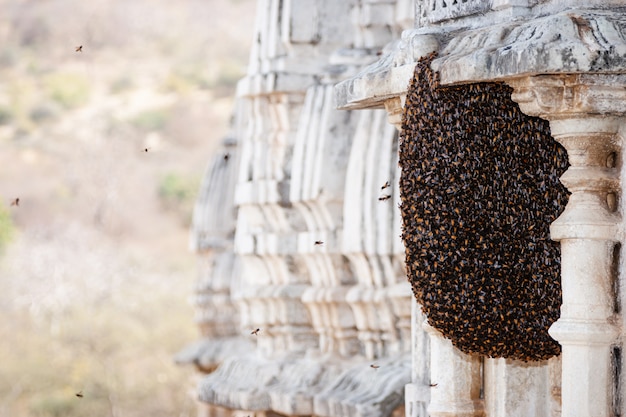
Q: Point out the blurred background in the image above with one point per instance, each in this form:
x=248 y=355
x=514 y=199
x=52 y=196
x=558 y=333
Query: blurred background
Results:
x=95 y=271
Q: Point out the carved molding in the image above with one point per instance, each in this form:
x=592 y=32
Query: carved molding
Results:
x=433 y=11
x=563 y=96
x=573 y=41
x=395 y=108
x=388 y=77
x=586 y=113
x=455 y=379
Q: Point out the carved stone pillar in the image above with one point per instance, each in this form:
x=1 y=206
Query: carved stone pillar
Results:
x=535 y=393
x=455 y=379
x=585 y=114
x=417 y=393
x=394 y=108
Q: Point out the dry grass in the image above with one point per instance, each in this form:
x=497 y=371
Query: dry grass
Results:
x=94 y=286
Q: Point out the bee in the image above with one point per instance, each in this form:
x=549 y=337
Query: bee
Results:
x=386 y=185
x=444 y=256
x=146 y=149
x=255 y=332
x=226 y=156
x=15 y=202
x=318 y=243
x=79 y=394
x=79 y=48
x=384 y=197
x=374 y=366
x=433 y=385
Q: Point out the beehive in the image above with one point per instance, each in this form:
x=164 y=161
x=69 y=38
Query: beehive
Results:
x=480 y=187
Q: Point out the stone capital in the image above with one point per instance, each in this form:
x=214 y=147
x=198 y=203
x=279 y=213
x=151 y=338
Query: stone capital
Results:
x=395 y=108
x=574 y=41
x=586 y=114
x=569 y=96
x=388 y=77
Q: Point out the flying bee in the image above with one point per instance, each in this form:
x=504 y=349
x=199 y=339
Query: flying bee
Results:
x=79 y=394
x=79 y=48
x=146 y=149
x=15 y=202
x=318 y=243
x=255 y=332
x=384 y=197
x=226 y=156
x=374 y=366
x=386 y=185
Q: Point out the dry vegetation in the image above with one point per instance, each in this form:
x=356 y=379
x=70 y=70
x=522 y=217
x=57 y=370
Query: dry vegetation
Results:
x=94 y=268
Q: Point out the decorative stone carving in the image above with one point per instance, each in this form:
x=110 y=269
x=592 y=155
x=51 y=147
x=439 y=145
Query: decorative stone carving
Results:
x=307 y=173
x=433 y=11
x=585 y=112
x=584 y=116
x=506 y=380
x=572 y=41
x=387 y=78
x=455 y=380
x=217 y=315
x=417 y=393
x=318 y=255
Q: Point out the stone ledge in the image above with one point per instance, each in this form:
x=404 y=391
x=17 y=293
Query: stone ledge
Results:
x=306 y=386
x=208 y=353
x=574 y=41
x=387 y=77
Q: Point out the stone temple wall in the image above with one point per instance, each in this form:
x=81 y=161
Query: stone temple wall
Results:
x=298 y=225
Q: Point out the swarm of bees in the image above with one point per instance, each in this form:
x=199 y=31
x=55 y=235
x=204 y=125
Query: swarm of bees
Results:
x=479 y=190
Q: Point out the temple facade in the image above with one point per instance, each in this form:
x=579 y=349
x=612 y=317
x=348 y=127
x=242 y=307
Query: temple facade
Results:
x=303 y=300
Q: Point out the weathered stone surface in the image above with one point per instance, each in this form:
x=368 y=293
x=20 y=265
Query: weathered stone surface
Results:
x=573 y=41
x=317 y=258
x=306 y=173
x=388 y=77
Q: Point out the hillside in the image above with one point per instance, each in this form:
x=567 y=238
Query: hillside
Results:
x=95 y=271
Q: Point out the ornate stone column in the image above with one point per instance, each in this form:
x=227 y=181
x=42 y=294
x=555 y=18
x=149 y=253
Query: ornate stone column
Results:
x=455 y=379
x=383 y=85
x=585 y=113
x=521 y=389
x=417 y=393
